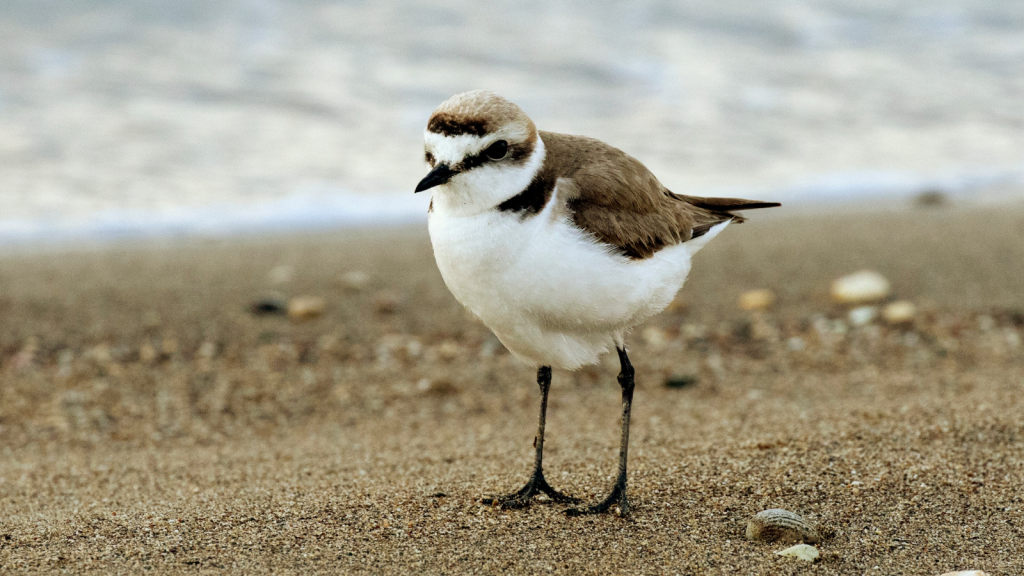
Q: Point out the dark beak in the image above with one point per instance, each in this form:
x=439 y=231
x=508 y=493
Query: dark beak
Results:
x=439 y=175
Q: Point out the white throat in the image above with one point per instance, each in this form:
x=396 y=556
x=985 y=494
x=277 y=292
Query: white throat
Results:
x=485 y=186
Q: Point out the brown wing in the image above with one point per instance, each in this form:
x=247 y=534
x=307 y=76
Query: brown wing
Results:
x=616 y=198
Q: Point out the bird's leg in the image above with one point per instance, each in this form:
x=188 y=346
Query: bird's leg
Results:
x=536 y=484
x=618 y=494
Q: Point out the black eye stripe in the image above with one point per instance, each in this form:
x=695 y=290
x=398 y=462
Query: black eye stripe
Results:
x=515 y=153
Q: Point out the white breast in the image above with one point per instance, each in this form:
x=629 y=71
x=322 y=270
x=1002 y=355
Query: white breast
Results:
x=551 y=293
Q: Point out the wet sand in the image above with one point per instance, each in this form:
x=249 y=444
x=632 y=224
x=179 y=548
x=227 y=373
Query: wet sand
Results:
x=150 y=422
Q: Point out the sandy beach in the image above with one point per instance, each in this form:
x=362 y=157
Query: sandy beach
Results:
x=150 y=422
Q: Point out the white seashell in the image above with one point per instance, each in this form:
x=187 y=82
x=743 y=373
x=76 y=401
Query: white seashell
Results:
x=900 y=312
x=755 y=300
x=862 y=315
x=781 y=525
x=860 y=287
x=801 y=551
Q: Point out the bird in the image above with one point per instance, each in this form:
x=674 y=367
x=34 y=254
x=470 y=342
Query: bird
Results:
x=560 y=244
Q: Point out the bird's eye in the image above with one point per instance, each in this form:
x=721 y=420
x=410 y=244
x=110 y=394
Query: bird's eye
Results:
x=497 y=150
x=429 y=158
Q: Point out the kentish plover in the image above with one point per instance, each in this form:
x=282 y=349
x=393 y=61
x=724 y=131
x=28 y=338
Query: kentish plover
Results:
x=560 y=244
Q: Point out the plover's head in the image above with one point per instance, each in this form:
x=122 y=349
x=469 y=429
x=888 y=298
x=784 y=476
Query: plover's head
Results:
x=482 y=149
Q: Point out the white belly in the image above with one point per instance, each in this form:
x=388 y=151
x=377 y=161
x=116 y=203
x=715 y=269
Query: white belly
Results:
x=550 y=293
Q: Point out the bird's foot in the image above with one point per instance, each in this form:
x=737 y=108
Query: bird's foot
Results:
x=616 y=503
x=522 y=498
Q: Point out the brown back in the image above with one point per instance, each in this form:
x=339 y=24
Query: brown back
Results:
x=613 y=196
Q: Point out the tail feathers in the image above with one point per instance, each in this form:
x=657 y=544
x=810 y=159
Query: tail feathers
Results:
x=726 y=204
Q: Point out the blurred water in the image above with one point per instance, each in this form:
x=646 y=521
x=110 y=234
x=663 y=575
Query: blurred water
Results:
x=185 y=116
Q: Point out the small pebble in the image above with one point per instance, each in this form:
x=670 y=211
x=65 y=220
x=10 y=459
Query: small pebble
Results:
x=900 y=312
x=862 y=315
x=302 y=308
x=801 y=551
x=931 y=198
x=268 y=305
x=386 y=302
x=448 y=350
x=777 y=525
x=168 y=347
x=757 y=300
x=207 y=350
x=681 y=381
x=147 y=353
x=860 y=287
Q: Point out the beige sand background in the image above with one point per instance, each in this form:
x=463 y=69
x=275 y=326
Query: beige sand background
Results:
x=150 y=423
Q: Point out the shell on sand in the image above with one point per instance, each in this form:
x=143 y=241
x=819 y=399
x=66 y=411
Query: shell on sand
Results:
x=801 y=551
x=761 y=299
x=777 y=525
x=899 y=312
x=860 y=287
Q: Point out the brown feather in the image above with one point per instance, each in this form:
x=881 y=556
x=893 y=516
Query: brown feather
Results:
x=619 y=201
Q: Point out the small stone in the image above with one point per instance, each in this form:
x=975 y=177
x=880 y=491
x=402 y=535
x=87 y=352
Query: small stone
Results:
x=800 y=551
x=986 y=323
x=147 y=353
x=302 y=308
x=757 y=300
x=354 y=280
x=448 y=350
x=207 y=350
x=436 y=387
x=268 y=305
x=681 y=381
x=101 y=353
x=778 y=525
x=386 y=302
x=655 y=337
x=931 y=198
x=900 y=312
x=862 y=315
x=860 y=287
x=169 y=346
